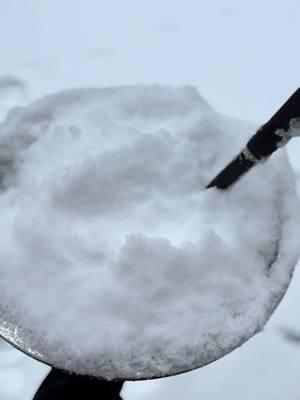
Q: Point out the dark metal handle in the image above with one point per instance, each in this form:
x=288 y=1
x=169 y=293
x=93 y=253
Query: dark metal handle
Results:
x=271 y=136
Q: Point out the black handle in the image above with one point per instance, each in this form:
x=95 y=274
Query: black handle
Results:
x=272 y=135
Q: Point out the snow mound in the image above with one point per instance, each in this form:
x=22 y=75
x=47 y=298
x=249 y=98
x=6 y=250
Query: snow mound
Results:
x=115 y=262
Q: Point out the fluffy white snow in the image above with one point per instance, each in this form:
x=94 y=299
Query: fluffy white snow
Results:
x=115 y=261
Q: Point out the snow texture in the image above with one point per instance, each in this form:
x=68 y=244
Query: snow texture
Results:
x=115 y=262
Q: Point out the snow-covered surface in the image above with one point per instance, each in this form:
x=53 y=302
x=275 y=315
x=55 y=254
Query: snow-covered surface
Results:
x=228 y=49
x=106 y=223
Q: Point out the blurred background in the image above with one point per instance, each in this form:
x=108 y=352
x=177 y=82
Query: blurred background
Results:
x=244 y=59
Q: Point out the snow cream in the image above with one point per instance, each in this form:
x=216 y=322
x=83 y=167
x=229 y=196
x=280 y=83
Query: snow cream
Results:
x=114 y=259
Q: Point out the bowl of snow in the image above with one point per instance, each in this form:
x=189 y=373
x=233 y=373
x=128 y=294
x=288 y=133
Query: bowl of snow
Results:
x=115 y=260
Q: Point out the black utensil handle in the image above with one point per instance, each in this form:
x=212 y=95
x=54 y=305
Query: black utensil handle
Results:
x=271 y=136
